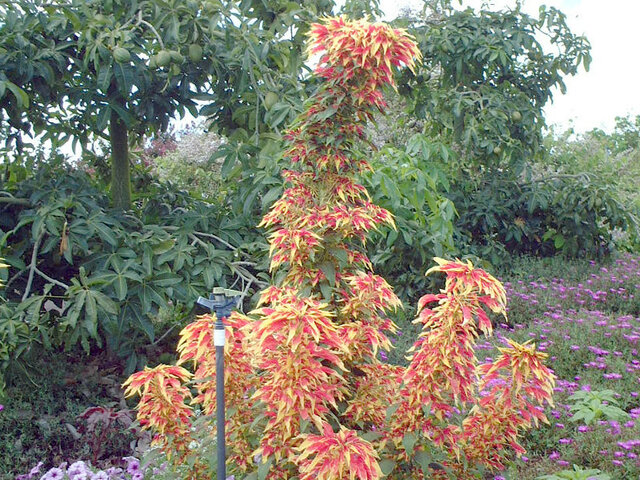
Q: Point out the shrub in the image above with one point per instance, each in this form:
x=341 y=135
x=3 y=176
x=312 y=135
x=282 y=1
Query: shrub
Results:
x=574 y=215
x=310 y=399
x=82 y=274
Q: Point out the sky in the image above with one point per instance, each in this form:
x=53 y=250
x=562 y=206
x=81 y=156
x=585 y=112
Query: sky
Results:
x=611 y=87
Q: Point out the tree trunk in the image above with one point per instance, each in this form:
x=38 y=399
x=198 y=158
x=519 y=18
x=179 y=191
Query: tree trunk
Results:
x=120 y=170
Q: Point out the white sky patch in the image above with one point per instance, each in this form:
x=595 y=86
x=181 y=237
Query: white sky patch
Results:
x=611 y=87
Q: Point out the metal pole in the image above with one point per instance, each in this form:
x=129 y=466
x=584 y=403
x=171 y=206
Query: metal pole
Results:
x=218 y=341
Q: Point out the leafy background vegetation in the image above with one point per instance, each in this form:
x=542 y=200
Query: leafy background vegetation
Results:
x=101 y=281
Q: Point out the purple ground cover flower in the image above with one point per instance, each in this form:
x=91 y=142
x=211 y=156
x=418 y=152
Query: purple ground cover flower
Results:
x=53 y=474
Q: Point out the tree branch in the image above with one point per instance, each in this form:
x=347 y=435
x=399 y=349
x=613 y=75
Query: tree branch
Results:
x=32 y=266
x=247 y=276
x=12 y=279
x=152 y=28
x=52 y=280
x=15 y=201
x=208 y=235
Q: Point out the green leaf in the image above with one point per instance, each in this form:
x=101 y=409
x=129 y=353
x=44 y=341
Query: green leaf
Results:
x=163 y=246
x=326 y=290
x=120 y=287
x=249 y=201
x=167 y=279
x=103 y=118
x=146 y=326
x=209 y=278
x=91 y=314
x=105 y=232
x=125 y=78
x=269 y=197
x=329 y=270
x=371 y=436
x=387 y=465
x=263 y=468
x=409 y=442
x=391 y=409
x=229 y=162
x=106 y=304
x=423 y=459
x=125 y=116
x=21 y=96
x=104 y=77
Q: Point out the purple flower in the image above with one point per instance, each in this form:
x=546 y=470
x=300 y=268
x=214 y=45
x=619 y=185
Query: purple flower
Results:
x=78 y=471
x=35 y=470
x=53 y=474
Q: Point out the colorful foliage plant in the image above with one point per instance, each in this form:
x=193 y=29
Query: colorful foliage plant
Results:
x=309 y=395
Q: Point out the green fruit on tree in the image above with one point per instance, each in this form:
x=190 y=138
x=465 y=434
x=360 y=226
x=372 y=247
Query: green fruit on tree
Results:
x=153 y=64
x=176 y=57
x=121 y=55
x=497 y=150
x=516 y=116
x=195 y=52
x=270 y=100
x=163 y=58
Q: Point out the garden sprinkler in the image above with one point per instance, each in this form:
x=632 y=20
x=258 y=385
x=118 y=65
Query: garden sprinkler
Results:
x=221 y=302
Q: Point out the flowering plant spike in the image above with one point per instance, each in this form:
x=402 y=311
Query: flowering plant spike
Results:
x=309 y=397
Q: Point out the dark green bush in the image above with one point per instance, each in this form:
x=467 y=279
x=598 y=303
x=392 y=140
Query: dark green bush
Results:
x=574 y=215
x=411 y=184
x=81 y=274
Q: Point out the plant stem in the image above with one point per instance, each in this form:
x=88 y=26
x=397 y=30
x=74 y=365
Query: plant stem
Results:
x=52 y=280
x=32 y=266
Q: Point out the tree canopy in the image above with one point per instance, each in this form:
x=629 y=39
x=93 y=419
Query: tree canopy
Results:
x=119 y=69
x=487 y=75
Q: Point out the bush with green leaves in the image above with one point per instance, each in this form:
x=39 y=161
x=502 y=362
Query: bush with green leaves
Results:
x=578 y=473
x=613 y=158
x=410 y=182
x=81 y=274
x=575 y=215
x=590 y=406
